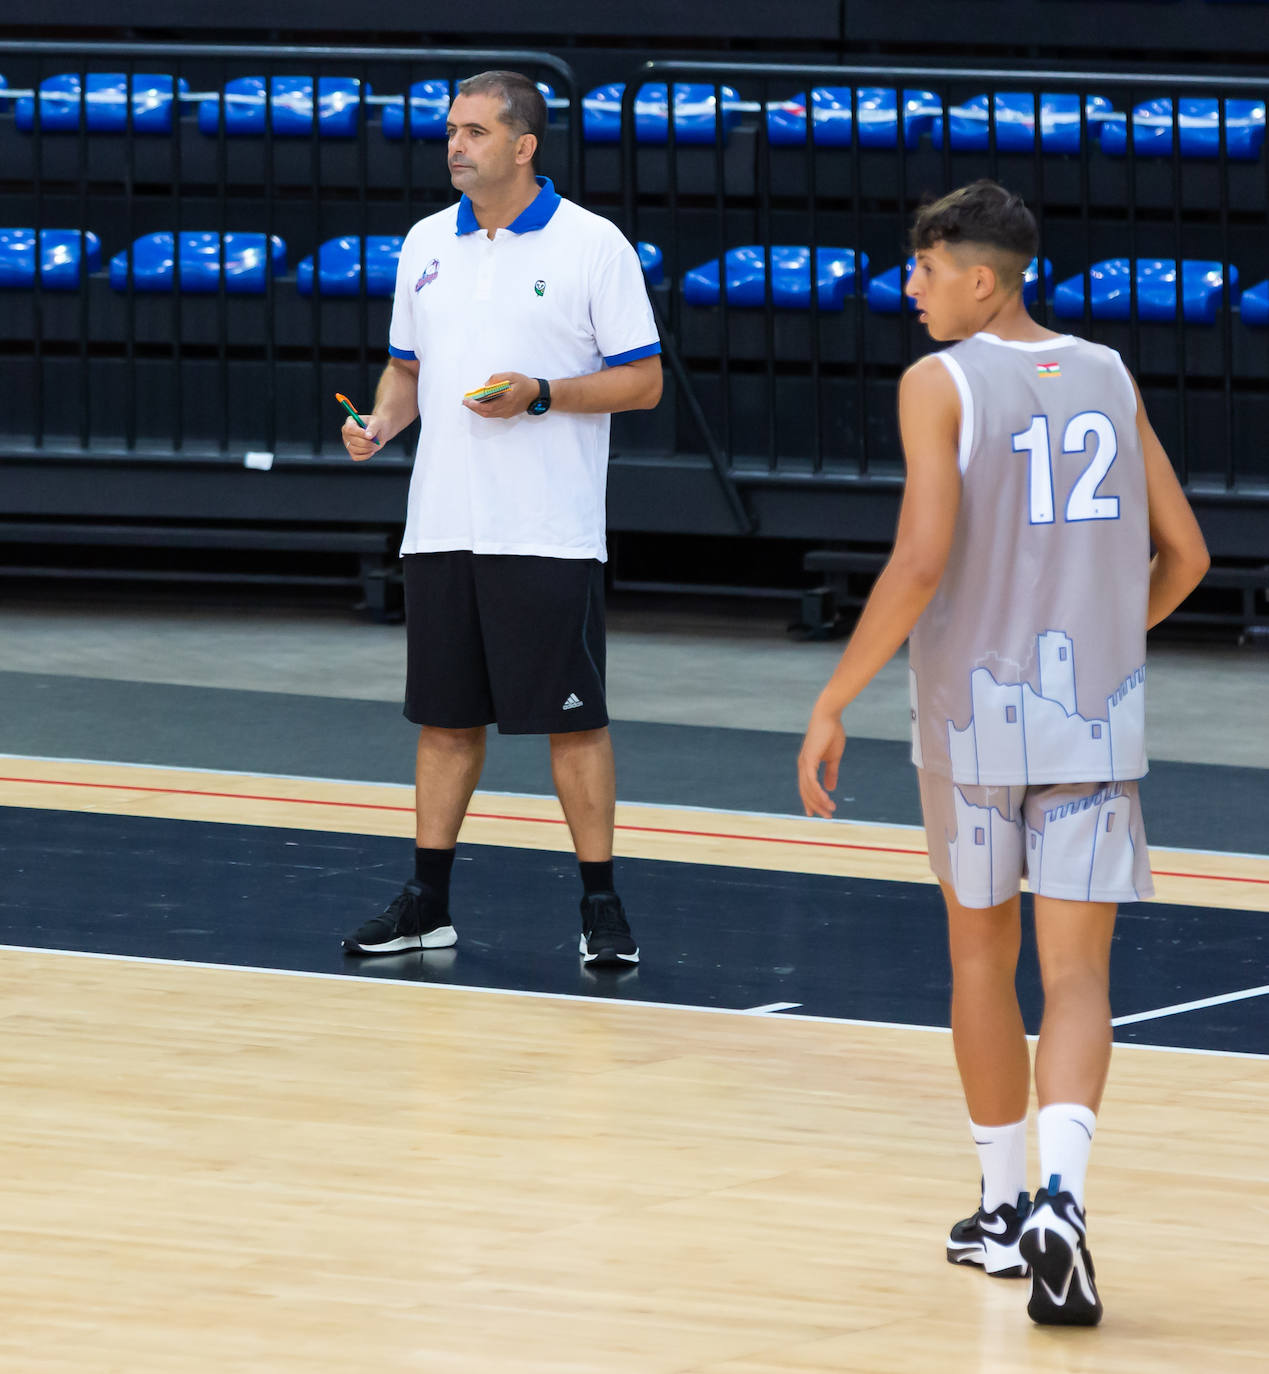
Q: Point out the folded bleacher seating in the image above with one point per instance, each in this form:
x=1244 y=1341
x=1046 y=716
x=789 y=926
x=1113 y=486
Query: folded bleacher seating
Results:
x=338 y=105
x=1201 y=290
x=429 y=109
x=833 y=117
x=1199 y=121
x=968 y=129
x=694 y=113
x=153 y=268
x=106 y=107
x=339 y=266
x=59 y=257
x=652 y=262
x=885 y=290
x=1254 y=305
x=790 y=277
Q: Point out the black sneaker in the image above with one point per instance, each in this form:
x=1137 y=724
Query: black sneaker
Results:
x=606 y=937
x=409 y=922
x=1053 y=1243
x=990 y=1240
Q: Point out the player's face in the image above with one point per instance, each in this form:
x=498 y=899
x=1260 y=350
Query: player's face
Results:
x=943 y=290
x=482 y=149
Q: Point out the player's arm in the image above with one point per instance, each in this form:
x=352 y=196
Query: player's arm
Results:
x=929 y=423
x=635 y=385
x=1181 y=556
x=396 y=405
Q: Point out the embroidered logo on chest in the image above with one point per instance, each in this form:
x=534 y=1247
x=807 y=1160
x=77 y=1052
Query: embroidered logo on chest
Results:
x=539 y=286
x=430 y=274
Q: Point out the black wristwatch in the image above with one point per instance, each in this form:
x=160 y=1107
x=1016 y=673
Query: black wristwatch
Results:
x=543 y=402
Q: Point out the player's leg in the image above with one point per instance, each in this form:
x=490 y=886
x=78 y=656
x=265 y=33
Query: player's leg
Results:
x=447 y=695
x=543 y=621
x=1087 y=853
x=975 y=850
x=990 y=1045
x=1072 y=1061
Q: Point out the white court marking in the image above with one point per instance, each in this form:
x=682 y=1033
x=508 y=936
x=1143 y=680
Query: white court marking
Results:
x=1178 y=1008
x=564 y=997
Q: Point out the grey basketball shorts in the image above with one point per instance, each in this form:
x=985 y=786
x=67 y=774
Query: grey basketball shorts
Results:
x=1076 y=841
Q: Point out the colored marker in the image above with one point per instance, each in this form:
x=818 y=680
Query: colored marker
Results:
x=487 y=393
x=347 y=405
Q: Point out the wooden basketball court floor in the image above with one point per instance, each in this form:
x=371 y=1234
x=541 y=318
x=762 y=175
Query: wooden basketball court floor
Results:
x=229 y=1147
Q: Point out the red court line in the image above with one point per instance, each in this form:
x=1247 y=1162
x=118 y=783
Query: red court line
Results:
x=550 y=820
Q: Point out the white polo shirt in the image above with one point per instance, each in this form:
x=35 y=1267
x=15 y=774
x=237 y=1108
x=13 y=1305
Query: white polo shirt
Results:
x=559 y=293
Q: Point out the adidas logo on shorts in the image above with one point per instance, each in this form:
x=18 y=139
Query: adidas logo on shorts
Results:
x=573 y=702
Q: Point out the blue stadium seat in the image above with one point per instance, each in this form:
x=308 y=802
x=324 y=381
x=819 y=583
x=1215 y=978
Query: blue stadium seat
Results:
x=1015 y=122
x=1200 y=129
x=790 y=277
x=1255 y=305
x=338 y=105
x=59 y=257
x=106 y=107
x=652 y=262
x=153 y=267
x=885 y=291
x=340 y=266
x=1156 y=290
x=833 y=117
x=694 y=120
x=429 y=109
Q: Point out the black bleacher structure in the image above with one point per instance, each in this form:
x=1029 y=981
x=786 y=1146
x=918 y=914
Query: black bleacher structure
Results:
x=134 y=414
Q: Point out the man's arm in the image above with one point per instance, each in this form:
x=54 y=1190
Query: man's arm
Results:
x=1181 y=556
x=628 y=386
x=929 y=422
x=396 y=405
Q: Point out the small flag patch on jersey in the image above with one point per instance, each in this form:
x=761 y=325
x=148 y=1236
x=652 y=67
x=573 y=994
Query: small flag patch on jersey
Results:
x=1048 y=369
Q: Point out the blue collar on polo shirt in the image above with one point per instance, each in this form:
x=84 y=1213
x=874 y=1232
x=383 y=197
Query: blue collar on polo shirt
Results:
x=536 y=215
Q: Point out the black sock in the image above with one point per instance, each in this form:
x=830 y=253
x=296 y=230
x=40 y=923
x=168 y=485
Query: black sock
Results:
x=431 y=871
x=596 y=877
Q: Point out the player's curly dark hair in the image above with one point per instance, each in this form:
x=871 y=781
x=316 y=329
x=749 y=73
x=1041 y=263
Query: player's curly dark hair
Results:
x=523 y=108
x=983 y=212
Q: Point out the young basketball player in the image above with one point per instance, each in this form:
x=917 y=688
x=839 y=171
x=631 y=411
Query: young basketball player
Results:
x=1022 y=571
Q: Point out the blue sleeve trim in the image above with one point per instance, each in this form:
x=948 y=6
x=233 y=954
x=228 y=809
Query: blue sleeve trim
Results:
x=403 y=353
x=647 y=351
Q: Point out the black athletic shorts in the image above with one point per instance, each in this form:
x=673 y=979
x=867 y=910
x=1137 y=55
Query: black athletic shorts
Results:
x=505 y=638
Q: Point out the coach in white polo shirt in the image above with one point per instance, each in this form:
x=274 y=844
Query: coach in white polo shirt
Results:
x=504 y=542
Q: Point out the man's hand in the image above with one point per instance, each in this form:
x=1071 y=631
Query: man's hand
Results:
x=359 y=442
x=512 y=402
x=825 y=740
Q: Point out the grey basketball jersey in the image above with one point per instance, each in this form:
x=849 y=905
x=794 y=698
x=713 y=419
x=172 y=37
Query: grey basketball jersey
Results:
x=1028 y=666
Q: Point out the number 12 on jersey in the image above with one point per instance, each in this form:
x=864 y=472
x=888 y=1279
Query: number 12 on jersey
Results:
x=1083 y=502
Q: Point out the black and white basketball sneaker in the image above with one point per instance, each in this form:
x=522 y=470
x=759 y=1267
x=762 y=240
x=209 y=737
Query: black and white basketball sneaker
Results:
x=1053 y=1243
x=606 y=937
x=408 y=922
x=990 y=1240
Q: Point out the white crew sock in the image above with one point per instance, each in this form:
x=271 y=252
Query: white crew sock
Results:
x=1066 y=1136
x=1002 y=1152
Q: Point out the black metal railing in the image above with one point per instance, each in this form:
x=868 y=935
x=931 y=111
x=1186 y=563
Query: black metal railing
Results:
x=805 y=396
x=109 y=367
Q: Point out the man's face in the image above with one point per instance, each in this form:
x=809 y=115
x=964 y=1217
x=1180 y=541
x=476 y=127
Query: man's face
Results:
x=944 y=287
x=483 y=151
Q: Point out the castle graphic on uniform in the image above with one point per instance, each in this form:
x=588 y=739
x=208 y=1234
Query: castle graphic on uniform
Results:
x=1016 y=734
x=983 y=848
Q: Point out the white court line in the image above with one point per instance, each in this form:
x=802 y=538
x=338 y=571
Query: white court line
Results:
x=1177 y=1008
x=772 y=1006
x=562 y=996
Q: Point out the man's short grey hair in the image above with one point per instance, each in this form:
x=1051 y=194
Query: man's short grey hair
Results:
x=523 y=108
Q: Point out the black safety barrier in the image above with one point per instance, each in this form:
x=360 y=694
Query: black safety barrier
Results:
x=792 y=401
